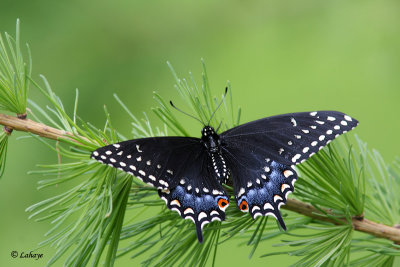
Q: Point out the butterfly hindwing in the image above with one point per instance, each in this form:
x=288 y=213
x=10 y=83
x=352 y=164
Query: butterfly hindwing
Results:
x=181 y=170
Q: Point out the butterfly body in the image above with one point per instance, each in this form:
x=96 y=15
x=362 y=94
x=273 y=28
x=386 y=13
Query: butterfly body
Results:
x=259 y=157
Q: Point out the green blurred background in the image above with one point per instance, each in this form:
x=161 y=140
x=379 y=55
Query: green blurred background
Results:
x=280 y=56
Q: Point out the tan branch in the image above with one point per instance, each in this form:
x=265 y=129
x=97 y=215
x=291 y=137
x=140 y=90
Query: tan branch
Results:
x=359 y=224
x=25 y=125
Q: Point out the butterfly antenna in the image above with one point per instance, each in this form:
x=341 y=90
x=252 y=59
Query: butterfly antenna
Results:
x=220 y=103
x=219 y=126
x=187 y=114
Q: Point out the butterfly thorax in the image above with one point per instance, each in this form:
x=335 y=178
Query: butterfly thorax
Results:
x=212 y=143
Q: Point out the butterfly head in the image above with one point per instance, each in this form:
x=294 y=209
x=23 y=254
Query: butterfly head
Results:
x=210 y=139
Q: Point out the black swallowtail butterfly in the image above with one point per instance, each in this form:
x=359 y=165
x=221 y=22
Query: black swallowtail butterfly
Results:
x=259 y=156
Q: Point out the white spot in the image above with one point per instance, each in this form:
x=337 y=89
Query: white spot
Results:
x=139 y=159
x=182 y=181
x=103 y=157
x=272 y=214
x=214 y=212
x=284 y=187
x=151 y=177
x=108 y=152
x=142 y=172
x=256 y=215
x=306 y=131
x=215 y=219
x=347 y=118
x=95 y=153
x=206 y=190
x=138 y=148
x=188 y=210
x=120 y=169
x=113 y=160
x=320 y=122
x=190 y=217
x=280 y=204
x=277 y=197
x=216 y=192
x=122 y=164
x=344 y=123
x=296 y=157
x=266 y=169
x=330 y=118
x=148 y=162
x=336 y=135
x=268 y=206
x=241 y=192
x=290 y=143
x=314 y=143
x=129 y=156
x=305 y=150
x=166 y=201
x=263 y=176
x=267 y=159
x=287 y=173
x=327 y=142
x=313 y=113
x=203 y=223
x=337 y=127
x=170 y=172
x=131 y=173
x=321 y=147
x=116 y=145
x=297 y=136
x=100 y=161
x=249 y=184
x=329 y=132
x=313 y=127
x=293 y=122
x=281 y=150
x=120 y=153
x=132 y=167
x=287 y=193
x=175 y=202
x=178 y=211
x=258 y=181
x=255 y=208
x=197 y=190
x=321 y=137
x=189 y=187
x=312 y=154
x=202 y=215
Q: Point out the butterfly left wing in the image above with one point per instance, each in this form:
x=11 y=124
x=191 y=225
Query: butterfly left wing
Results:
x=261 y=155
x=179 y=168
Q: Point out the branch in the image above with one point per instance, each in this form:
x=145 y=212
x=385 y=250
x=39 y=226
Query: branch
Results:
x=359 y=224
x=26 y=125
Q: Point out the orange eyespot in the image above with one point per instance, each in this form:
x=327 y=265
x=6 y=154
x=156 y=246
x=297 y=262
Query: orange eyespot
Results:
x=244 y=206
x=222 y=203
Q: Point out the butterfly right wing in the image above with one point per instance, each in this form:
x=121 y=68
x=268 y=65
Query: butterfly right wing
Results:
x=179 y=167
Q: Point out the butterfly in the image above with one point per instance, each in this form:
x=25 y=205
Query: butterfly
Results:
x=259 y=157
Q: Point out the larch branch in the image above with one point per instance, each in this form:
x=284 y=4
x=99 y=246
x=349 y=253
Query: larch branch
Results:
x=359 y=224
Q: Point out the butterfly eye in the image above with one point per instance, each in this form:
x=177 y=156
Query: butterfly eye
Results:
x=244 y=206
x=222 y=203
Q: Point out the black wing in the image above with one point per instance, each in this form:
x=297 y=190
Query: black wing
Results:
x=179 y=168
x=261 y=155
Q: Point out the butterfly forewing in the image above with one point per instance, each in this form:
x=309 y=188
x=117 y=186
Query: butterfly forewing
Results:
x=179 y=167
x=261 y=155
x=290 y=138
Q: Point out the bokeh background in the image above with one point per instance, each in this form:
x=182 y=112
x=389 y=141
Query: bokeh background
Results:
x=279 y=56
